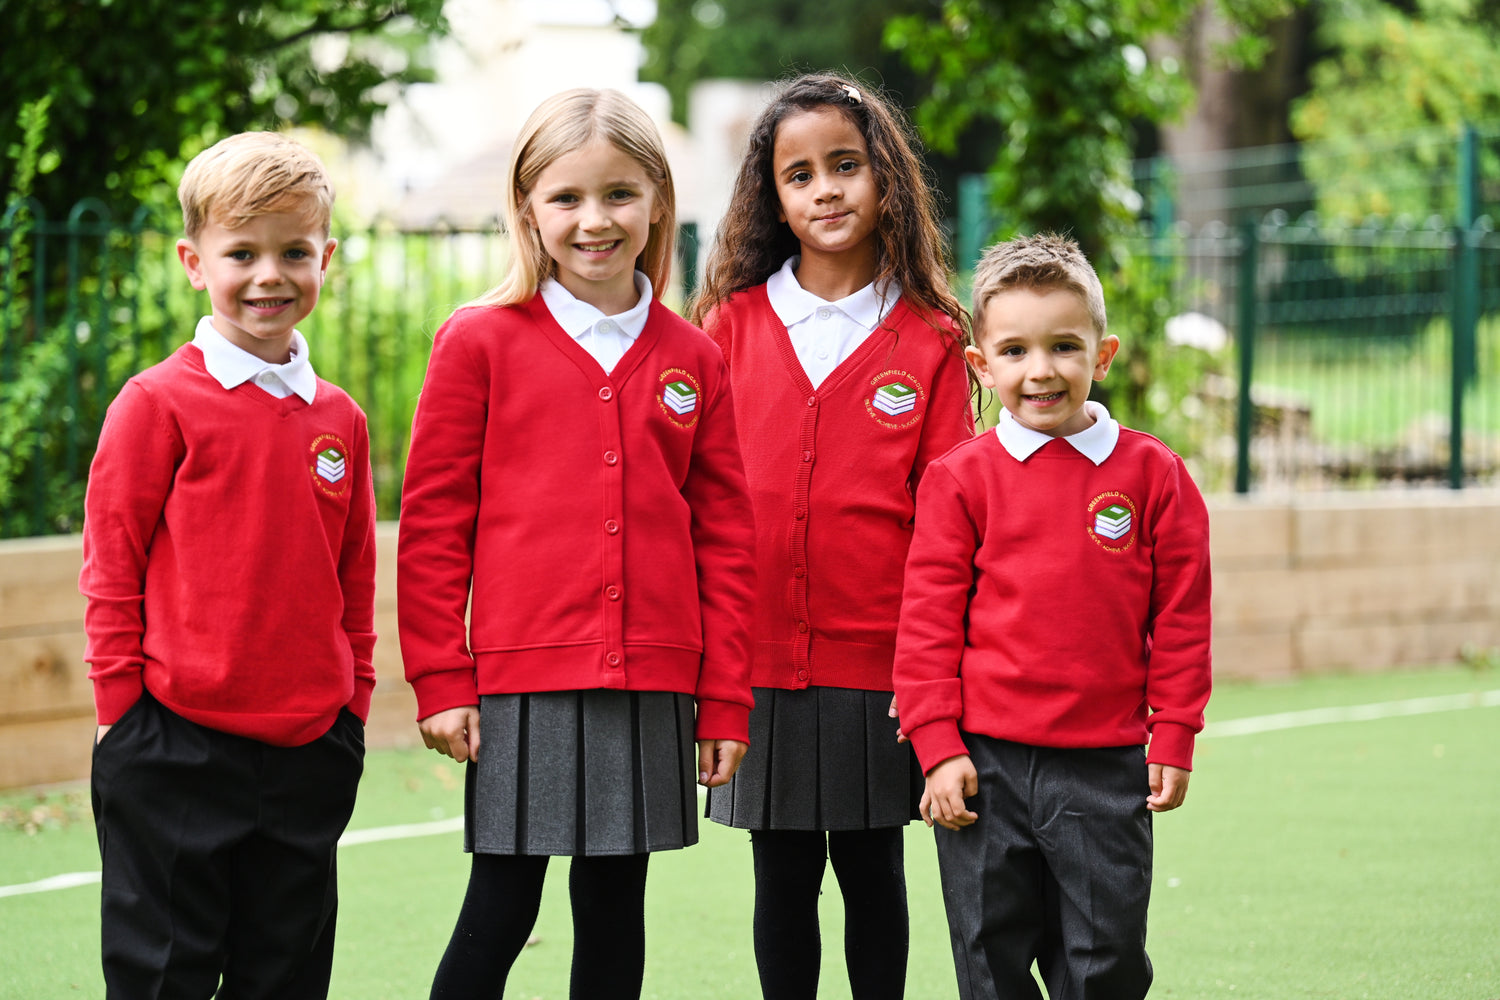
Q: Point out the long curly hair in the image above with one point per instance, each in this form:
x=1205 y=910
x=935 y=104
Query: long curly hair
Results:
x=752 y=243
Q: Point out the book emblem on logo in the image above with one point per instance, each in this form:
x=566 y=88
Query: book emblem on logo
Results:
x=680 y=397
x=331 y=464
x=678 y=393
x=895 y=399
x=1111 y=521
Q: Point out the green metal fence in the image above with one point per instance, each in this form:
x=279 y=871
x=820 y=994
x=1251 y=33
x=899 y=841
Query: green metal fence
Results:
x=1362 y=349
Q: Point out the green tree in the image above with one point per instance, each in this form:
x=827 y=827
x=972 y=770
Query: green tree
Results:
x=138 y=86
x=1417 y=71
x=1067 y=83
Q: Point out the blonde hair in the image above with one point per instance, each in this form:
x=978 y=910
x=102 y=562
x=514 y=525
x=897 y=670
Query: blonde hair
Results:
x=253 y=174
x=560 y=125
x=1042 y=261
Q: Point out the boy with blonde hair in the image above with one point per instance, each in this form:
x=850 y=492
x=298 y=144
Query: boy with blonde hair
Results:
x=229 y=566
x=1055 y=614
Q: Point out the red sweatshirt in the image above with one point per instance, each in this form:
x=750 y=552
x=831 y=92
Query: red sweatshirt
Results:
x=229 y=555
x=833 y=474
x=602 y=520
x=1056 y=603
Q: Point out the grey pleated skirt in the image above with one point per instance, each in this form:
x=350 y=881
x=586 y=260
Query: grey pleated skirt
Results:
x=821 y=759
x=583 y=773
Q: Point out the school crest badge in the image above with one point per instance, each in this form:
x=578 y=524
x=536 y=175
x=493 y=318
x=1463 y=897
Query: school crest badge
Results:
x=1111 y=521
x=680 y=396
x=896 y=399
x=330 y=464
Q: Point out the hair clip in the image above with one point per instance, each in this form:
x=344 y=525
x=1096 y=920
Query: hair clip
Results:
x=853 y=93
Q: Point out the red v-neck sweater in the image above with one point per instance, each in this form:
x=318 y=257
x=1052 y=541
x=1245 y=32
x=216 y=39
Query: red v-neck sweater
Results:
x=602 y=520
x=1056 y=603
x=229 y=555
x=833 y=473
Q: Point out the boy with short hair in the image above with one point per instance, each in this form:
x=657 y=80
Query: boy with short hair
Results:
x=1055 y=612
x=229 y=566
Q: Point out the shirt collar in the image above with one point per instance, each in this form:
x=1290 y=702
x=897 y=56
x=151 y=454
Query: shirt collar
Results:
x=792 y=303
x=577 y=317
x=1096 y=442
x=232 y=366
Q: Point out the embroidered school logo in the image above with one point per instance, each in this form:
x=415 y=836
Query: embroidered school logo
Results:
x=1112 y=521
x=330 y=464
x=896 y=399
x=679 y=395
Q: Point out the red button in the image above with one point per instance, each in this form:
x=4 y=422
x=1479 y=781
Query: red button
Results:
x=807 y=456
x=799 y=513
x=802 y=675
x=610 y=458
x=613 y=593
x=799 y=572
x=606 y=393
x=612 y=527
x=613 y=659
x=802 y=626
x=812 y=400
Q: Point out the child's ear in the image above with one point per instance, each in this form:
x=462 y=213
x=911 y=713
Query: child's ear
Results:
x=328 y=248
x=192 y=264
x=975 y=357
x=1108 y=347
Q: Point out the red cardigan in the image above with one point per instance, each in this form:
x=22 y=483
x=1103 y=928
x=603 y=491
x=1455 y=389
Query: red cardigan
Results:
x=602 y=520
x=229 y=555
x=833 y=473
x=1056 y=603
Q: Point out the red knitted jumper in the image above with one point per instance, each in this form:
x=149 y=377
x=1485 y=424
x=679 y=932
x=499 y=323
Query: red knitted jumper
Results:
x=1056 y=603
x=229 y=555
x=833 y=474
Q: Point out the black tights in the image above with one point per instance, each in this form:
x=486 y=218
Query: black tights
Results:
x=872 y=876
x=500 y=907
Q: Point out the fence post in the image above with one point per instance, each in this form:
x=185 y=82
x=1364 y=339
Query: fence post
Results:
x=1245 y=341
x=1465 y=300
x=687 y=249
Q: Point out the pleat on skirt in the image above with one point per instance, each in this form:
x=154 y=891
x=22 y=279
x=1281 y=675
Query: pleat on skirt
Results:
x=821 y=759
x=583 y=773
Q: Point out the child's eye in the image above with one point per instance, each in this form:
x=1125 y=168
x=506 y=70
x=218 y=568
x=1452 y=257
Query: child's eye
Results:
x=1012 y=352
x=1065 y=348
x=621 y=194
x=240 y=255
x=297 y=254
x=847 y=165
x=800 y=177
x=564 y=199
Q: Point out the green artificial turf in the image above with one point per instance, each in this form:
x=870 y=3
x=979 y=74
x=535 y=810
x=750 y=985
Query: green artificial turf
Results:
x=1343 y=860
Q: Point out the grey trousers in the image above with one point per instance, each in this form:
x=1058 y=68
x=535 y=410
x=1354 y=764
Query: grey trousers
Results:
x=1056 y=871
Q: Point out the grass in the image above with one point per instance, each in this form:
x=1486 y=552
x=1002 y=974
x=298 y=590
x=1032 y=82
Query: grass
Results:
x=1337 y=861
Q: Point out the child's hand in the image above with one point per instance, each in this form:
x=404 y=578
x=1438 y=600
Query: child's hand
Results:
x=454 y=732
x=900 y=736
x=718 y=760
x=948 y=785
x=1168 y=787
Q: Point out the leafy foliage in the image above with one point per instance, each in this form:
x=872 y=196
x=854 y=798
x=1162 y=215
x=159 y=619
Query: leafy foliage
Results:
x=138 y=86
x=1423 y=68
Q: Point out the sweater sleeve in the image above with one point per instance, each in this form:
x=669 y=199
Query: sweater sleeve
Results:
x=1179 y=671
x=723 y=529
x=439 y=510
x=930 y=638
x=357 y=575
x=129 y=481
x=950 y=416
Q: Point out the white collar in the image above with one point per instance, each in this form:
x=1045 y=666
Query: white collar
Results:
x=231 y=365
x=792 y=303
x=577 y=317
x=1096 y=442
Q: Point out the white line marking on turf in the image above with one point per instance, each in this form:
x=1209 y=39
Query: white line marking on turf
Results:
x=1229 y=727
x=1352 y=713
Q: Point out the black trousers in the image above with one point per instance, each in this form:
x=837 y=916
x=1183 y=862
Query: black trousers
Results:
x=1057 y=870
x=219 y=857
